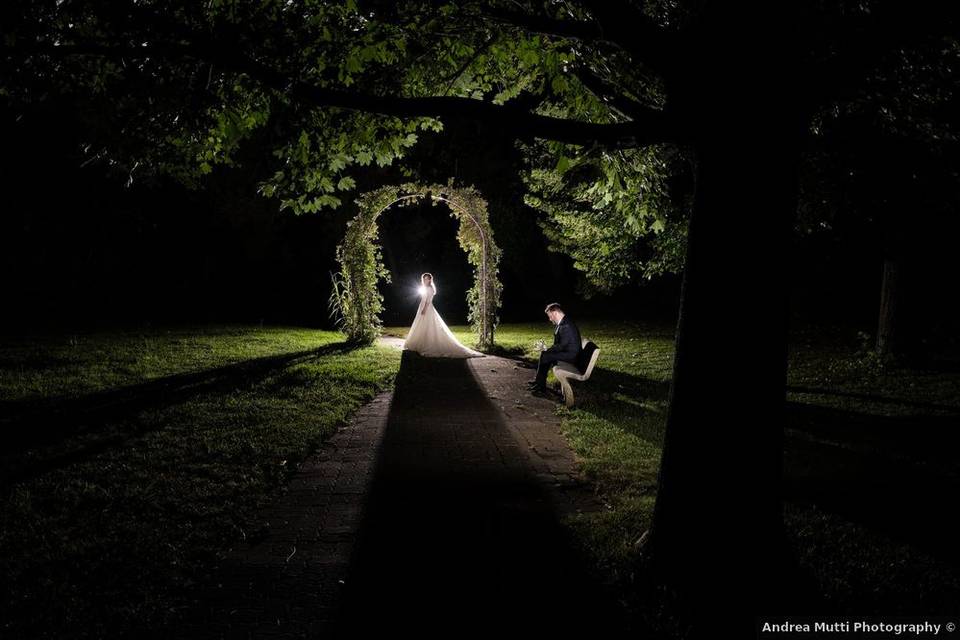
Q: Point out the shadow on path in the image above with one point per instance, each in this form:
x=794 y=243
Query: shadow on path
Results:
x=460 y=538
x=49 y=422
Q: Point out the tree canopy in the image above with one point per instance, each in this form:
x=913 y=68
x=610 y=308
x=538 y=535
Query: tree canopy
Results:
x=333 y=87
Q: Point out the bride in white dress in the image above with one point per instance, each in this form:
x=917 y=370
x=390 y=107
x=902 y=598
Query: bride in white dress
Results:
x=429 y=335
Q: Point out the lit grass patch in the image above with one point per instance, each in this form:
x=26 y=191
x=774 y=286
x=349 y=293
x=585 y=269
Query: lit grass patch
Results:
x=47 y=365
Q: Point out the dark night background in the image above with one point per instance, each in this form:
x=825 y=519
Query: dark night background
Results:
x=83 y=247
x=88 y=249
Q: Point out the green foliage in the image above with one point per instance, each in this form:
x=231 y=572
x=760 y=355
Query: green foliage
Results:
x=184 y=117
x=617 y=213
x=317 y=163
x=355 y=299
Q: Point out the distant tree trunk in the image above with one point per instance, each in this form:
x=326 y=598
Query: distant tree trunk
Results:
x=889 y=294
x=718 y=523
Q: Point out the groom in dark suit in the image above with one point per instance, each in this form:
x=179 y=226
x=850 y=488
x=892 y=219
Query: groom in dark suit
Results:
x=566 y=348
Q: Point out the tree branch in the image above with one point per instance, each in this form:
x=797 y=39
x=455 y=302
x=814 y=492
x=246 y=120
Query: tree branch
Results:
x=622 y=26
x=652 y=128
x=480 y=50
x=628 y=26
x=610 y=94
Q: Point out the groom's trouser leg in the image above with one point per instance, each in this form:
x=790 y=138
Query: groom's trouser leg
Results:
x=547 y=360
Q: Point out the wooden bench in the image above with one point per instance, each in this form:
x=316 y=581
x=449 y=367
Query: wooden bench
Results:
x=566 y=371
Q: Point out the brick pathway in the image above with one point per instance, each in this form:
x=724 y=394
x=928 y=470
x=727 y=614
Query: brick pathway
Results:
x=434 y=513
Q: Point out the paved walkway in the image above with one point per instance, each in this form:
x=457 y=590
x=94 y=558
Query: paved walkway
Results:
x=434 y=513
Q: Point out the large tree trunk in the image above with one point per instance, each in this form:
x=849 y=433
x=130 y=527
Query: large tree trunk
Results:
x=718 y=514
x=718 y=527
x=889 y=294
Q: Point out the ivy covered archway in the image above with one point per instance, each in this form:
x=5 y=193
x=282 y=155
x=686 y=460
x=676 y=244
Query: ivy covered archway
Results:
x=355 y=296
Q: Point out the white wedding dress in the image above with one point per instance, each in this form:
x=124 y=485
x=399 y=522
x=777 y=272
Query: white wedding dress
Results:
x=429 y=335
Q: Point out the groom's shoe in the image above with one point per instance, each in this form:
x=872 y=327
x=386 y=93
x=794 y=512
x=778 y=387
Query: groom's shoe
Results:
x=539 y=392
x=532 y=384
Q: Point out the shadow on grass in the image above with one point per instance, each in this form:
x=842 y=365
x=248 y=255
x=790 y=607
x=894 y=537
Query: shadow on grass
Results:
x=29 y=426
x=943 y=365
x=459 y=538
x=869 y=397
x=633 y=403
x=896 y=475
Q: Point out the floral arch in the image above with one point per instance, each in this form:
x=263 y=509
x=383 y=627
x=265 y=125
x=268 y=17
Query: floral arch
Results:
x=355 y=297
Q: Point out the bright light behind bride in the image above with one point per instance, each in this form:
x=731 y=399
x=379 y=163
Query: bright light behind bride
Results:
x=429 y=335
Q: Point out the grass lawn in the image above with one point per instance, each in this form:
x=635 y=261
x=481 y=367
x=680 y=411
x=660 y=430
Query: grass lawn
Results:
x=870 y=462
x=44 y=366
x=134 y=501
x=131 y=460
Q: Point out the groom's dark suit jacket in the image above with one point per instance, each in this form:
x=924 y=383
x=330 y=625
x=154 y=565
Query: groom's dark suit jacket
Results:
x=566 y=341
